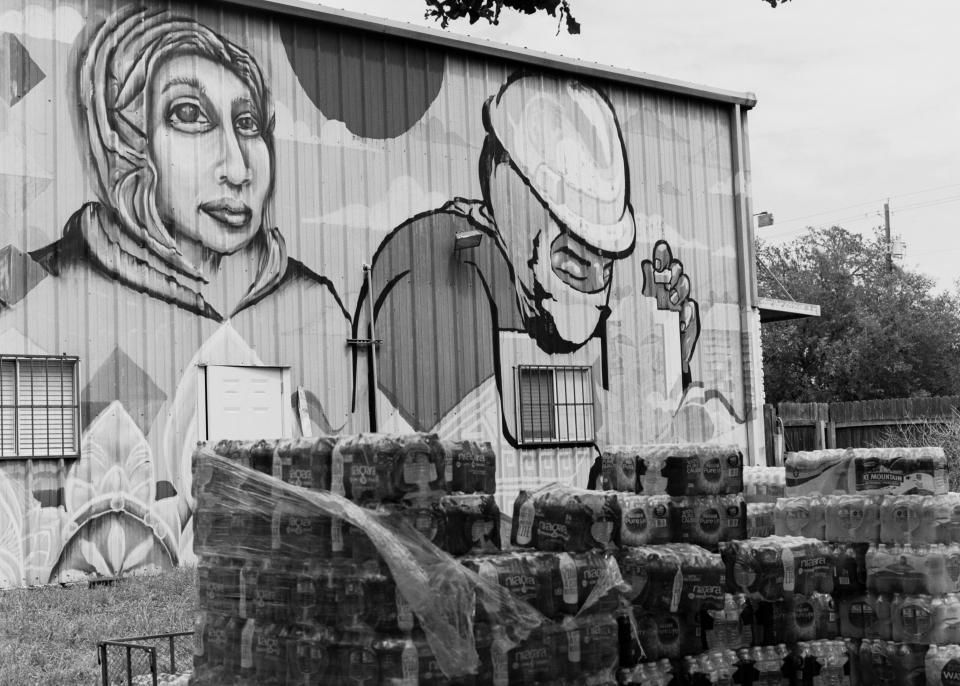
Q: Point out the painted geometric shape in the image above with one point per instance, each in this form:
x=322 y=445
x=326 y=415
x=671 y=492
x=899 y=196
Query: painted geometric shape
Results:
x=19 y=274
x=22 y=179
x=119 y=378
x=29 y=186
x=20 y=75
x=403 y=77
x=13 y=342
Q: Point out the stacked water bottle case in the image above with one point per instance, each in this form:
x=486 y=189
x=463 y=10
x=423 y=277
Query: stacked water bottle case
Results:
x=894 y=532
x=846 y=580
x=377 y=559
x=677 y=503
x=290 y=594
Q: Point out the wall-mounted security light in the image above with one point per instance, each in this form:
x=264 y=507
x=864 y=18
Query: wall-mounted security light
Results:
x=764 y=219
x=467 y=239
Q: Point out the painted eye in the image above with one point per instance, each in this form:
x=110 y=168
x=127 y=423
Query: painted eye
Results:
x=188 y=116
x=188 y=113
x=247 y=125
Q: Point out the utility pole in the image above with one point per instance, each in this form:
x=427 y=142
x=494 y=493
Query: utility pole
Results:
x=886 y=222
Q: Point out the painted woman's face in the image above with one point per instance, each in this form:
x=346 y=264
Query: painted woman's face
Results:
x=213 y=164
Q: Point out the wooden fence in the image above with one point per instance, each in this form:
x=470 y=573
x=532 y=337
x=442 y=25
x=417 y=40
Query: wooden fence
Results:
x=861 y=424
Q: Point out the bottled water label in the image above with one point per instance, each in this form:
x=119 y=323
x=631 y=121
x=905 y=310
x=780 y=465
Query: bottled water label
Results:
x=525 y=525
x=789 y=578
x=568 y=576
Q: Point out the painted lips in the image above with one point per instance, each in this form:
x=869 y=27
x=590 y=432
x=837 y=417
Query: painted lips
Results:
x=233 y=213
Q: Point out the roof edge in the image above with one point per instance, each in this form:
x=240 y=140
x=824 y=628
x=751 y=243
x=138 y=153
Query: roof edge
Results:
x=297 y=8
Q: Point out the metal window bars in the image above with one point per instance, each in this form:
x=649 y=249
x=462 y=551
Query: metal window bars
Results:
x=141 y=660
x=555 y=404
x=39 y=406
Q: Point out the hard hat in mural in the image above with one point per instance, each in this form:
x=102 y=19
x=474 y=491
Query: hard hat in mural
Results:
x=564 y=139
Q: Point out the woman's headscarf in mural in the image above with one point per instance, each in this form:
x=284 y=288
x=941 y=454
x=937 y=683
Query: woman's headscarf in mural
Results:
x=114 y=75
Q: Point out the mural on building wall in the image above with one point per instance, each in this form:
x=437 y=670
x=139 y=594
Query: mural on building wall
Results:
x=175 y=259
x=555 y=219
x=178 y=124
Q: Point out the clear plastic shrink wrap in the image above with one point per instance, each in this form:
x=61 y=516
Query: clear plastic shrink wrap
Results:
x=801 y=516
x=920 y=519
x=798 y=618
x=471 y=524
x=676 y=470
x=616 y=470
x=819 y=662
x=732 y=627
x=761 y=519
x=879 y=471
x=930 y=569
x=708 y=521
x=440 y=592
x=763 y=484
x=300 y=585
x=850 y=568
x=891 y=662
x=778 y=566
x=645 y=519
x=852 y=518
x=712 y=668
x=562 y=519
x=672 y=589
x=470 y=467
x=943 y=665
x=659 y=673
x=865 y=615
x=675 y=577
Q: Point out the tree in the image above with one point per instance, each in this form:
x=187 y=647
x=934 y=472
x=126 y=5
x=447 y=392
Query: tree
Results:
x=881 y=333
x=489 y=10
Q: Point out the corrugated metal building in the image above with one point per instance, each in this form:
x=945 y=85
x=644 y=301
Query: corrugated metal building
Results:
x=212 y=213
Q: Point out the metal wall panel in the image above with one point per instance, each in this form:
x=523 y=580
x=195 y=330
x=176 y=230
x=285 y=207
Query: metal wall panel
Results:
x=369 y=149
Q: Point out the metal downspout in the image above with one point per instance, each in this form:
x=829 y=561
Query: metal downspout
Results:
x=368 y=277
x=747 y=279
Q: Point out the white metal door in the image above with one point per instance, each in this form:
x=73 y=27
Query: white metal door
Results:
x=245 y=402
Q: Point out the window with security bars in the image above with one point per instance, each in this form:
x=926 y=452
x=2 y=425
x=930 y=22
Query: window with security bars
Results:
x=39 y=407
x=555 y=405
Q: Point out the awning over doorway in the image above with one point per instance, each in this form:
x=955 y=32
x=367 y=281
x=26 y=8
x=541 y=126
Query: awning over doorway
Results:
x=774 y=310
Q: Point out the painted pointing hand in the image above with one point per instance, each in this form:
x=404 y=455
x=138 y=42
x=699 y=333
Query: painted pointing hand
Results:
x=665 y=280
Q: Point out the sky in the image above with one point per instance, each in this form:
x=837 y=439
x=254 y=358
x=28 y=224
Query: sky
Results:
x=858 y=100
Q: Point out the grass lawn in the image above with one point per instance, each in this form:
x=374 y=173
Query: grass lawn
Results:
x=49 y=635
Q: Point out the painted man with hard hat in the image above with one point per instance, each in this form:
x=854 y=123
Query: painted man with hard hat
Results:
x=555 y=219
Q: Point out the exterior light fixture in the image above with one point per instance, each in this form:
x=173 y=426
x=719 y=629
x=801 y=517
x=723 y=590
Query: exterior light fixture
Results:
x=467 y=239
x=764 y=219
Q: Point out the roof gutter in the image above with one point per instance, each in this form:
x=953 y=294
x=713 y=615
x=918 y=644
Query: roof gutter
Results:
x=303 y=10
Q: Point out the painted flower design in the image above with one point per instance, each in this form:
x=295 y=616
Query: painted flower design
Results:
x=116 y=464
x=29 y=538
x=112 y=527
x=11 y=535
x=122 y=549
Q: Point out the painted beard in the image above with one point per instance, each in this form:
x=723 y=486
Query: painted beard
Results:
x=542 y=327
x=539 y=322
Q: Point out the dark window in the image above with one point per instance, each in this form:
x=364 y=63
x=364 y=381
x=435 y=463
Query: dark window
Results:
x=555 y=404
x=39 y=407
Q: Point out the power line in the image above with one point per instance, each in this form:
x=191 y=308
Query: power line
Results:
x=868 y=215
x=868 y=202
x=931 y=203
x=933 y=250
